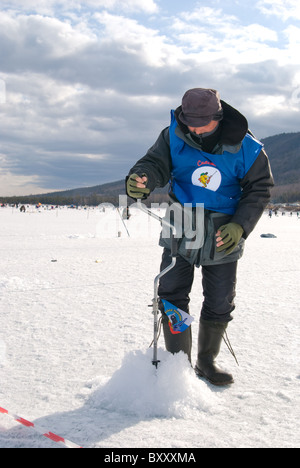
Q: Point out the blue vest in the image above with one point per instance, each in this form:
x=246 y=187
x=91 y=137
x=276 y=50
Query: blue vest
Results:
x=211 y=179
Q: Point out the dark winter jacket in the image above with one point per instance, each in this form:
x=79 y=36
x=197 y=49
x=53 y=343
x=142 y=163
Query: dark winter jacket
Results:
x=255 y=185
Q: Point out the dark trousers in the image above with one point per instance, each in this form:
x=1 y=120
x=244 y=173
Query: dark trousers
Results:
x=218 y=284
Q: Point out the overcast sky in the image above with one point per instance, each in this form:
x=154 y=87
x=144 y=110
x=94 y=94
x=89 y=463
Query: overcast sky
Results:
x=86 y=87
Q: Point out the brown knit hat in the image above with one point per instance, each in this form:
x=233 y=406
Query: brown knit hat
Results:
x=200 y=106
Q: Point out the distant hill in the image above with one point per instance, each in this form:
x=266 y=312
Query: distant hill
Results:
x=108 y=190
x=284 y=154
x=283 y=151
x=95 y=195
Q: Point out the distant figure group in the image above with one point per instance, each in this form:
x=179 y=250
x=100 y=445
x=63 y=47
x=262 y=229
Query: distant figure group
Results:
x=282 y=213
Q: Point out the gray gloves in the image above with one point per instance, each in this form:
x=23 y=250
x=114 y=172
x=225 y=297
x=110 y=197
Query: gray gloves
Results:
x=137 y=186
x=228 y=237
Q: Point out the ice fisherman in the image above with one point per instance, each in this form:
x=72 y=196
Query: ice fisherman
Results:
x=206 y=134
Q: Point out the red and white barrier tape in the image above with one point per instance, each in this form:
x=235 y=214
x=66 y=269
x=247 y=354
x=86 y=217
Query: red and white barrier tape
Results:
x=49 y=435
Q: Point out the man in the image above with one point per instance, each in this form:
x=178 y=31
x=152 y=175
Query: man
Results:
x=209 y=156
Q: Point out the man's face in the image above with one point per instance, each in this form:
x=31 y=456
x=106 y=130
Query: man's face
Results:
x=206 y=129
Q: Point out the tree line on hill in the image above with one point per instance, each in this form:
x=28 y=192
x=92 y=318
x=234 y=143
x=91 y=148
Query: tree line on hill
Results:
x=283 y=151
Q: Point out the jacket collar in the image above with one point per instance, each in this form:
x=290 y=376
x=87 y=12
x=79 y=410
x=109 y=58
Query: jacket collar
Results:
x=234 y=129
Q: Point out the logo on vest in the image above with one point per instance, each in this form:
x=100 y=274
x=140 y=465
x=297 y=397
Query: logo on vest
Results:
x=208 y=177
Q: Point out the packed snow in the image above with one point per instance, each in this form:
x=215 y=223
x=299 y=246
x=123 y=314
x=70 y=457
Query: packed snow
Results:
x=75 y=290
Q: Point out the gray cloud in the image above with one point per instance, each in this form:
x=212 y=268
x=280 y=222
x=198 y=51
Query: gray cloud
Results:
x=86 y=97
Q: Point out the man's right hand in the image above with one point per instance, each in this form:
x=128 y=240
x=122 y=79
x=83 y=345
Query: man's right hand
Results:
x=137 y=186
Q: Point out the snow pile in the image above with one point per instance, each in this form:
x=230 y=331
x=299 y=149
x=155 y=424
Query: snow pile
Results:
x=171 y=390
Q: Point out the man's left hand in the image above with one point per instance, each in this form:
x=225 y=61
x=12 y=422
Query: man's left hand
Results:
x=228 y=237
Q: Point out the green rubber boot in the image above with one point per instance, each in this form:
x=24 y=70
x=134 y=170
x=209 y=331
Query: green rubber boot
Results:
x=209 y=344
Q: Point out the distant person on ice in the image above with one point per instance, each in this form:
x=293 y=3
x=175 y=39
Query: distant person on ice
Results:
x=209 y=156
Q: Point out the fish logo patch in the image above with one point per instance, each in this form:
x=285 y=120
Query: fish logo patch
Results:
x=208 y=177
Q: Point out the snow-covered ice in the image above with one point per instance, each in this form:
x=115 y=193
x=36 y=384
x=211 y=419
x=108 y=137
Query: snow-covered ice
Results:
x=76 y=328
